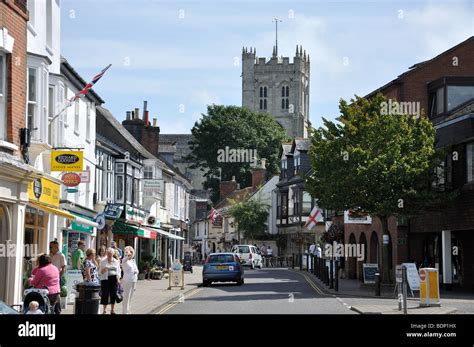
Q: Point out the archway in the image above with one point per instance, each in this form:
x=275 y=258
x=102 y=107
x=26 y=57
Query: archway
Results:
x=364 y=251
x=352 y=261
x=374 y=248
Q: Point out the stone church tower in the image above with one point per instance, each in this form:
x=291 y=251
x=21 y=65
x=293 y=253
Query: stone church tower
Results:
x=278 y=87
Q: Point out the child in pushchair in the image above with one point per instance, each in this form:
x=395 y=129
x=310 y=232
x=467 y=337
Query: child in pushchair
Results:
x=40 y=296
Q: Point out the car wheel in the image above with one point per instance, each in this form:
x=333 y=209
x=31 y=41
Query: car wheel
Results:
x=240 y=282
x=205 y=283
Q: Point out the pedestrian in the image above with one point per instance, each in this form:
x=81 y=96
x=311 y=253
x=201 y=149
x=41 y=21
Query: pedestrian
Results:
x=78 y=256
x=312 y=248
x=89 y=268
x=342 y=267
x=34 y=308
x=57 y=258
x=110 y=267
x=102 y=255
x=130 y=277
x=270 y=255
x=47 y=276
x=117 y=250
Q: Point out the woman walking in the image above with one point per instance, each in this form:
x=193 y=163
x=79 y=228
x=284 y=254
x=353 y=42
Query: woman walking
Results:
x=130 y=277
x=110 y=267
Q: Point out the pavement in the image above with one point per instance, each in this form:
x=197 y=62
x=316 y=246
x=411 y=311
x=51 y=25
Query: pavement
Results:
x=362 y=299
x=151 y=295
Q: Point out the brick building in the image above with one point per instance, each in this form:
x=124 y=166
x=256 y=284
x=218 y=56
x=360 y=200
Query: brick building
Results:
x=444 y=88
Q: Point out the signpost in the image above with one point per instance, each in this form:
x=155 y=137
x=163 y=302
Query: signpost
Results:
x=369 y=272
x=412 y=276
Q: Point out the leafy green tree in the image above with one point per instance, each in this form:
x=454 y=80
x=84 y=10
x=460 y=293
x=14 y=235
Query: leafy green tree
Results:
x=250 y=215
x=236 y=128
x=376 y=163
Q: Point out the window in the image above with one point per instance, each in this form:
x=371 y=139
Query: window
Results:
x=119 y=186
x=76 y=116
x=120 y=168
x=3 y=99
x=470 y=162
x=437 y=102
x=263 y=98
x=176 y=198
x=52 y=127
x=297 y=162
x=88 y=123
x=49 y=24
x=458 y=95
x=296 y=203
x=62 y=118
x=284 y=166
x=306 y=210
x=148 y=172
x=284 y=205
x=129 y=187
x=285 y=95
x=32 y=98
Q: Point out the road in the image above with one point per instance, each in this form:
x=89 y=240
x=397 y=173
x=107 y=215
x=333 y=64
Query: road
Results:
x=266 y=291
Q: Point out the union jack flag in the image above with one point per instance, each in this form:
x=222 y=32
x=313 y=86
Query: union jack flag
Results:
x=89 y=86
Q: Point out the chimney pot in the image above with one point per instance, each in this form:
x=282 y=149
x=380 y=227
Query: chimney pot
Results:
x=233 y=178
x=154 y=122
x=137 y=113
x=145 y=118
x=128 y=115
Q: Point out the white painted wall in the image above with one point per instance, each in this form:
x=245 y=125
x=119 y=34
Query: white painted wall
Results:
x=265 y=195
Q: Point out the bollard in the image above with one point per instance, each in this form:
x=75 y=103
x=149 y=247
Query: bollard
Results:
x=326 y=273
x=293 y=261
x=331 y=273
x=377 y=284
x=88 y=299
x=301 y=261
x=307 y=262
x=313 y=263
x=336 y=280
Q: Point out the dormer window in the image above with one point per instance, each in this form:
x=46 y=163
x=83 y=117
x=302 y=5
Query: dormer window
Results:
x=284 y=167
x=297 y=162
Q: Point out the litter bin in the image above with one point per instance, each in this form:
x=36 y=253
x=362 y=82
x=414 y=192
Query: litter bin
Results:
x=429 y=287
x=88 y=299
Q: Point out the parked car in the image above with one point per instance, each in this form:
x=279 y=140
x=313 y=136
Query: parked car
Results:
x=249 y=255
x=222 y=267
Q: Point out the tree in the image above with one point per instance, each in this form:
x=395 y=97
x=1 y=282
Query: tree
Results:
x=375 y=162
x=250 y=215
x=234 y=128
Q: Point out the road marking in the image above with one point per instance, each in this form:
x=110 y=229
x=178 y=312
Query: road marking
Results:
x=176 y=302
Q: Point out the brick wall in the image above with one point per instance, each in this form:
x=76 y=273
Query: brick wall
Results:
x=15 y=20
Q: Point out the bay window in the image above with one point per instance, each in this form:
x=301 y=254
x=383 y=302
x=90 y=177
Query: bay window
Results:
x=32 y=99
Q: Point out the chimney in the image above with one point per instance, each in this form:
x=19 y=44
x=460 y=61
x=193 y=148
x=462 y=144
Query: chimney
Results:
x=145 y=104
x=227 y=188
x=259 y=174
x=128 y=115
x=145 y=118
x=154 y=122
x=137 y=113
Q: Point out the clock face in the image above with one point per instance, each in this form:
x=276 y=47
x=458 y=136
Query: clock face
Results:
x=151 y=220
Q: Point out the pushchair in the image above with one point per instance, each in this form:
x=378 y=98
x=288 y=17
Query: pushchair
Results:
x=39 y=295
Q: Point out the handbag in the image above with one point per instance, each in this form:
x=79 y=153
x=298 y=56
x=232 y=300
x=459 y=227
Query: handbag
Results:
x=119 y=293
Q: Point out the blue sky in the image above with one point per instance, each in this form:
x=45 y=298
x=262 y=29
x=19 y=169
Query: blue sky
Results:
x=184 y=55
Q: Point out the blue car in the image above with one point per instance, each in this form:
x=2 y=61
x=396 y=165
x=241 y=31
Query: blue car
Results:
x=222 y=267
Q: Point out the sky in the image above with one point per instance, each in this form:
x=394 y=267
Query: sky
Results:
x=181 y=56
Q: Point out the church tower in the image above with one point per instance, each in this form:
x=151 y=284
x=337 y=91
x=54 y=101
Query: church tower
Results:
x=279 y=87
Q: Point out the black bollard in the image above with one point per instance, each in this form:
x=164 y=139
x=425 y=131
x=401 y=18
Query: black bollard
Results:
x=301 y=261
x=331 y=274
x=336 y=280
x=377 y=284
x=293 y=261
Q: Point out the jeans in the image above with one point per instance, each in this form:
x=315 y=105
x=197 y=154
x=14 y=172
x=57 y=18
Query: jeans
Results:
x=128 y=289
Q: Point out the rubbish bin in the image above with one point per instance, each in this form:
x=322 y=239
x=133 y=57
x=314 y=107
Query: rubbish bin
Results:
x=88 y=299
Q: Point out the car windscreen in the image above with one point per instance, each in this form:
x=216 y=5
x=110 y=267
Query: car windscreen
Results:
x=221 y=258
x=243 y=249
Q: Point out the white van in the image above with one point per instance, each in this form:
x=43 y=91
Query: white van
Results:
x=249 y=255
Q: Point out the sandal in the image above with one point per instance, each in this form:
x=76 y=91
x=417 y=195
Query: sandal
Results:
x=112 y=312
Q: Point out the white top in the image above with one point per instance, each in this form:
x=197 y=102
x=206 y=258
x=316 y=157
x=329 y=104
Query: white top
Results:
x=130 y=270
x=113 y=267
x=269 y=252
x=58 y=260
x=38 y=311
x=102 y=276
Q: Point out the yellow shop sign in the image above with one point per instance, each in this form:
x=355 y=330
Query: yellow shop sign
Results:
x=44 y=191
x=67 y=161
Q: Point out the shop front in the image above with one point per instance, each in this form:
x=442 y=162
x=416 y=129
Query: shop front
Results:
x=82 y=228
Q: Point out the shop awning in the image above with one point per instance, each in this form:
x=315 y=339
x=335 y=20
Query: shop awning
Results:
x=164 y=233
x=128 y=229
x=85 y=221
x=52 y=210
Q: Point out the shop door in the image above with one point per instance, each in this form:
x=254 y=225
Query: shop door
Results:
x=4 y=225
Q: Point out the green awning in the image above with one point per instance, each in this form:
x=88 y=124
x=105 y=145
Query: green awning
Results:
x=128 y=229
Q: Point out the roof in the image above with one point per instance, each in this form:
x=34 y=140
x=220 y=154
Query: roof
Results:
x=73 y=76
x=236 y=195
x=109 y=117
x=417 y=67
x=300 y=144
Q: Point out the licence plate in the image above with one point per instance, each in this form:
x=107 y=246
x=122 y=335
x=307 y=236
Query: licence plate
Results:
x=222 y=267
